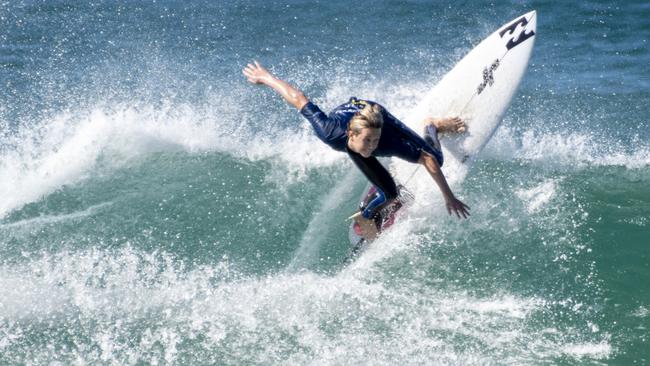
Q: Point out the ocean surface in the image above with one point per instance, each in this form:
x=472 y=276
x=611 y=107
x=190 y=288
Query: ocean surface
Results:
x=155 y=208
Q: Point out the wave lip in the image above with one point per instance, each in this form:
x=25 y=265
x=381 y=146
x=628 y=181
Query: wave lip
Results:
x=71 y=147
x=48 y=158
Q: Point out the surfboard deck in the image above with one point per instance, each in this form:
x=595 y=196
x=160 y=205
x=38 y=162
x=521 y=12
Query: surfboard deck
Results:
x=478 y=89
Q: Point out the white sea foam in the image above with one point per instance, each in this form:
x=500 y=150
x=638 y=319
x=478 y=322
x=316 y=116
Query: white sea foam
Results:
x=641 y=312
x=580 y=351
x=536 y=197
x=54 y=219
x=575 y=149
x=322 y=219
x=293 y=318
x=66 y=149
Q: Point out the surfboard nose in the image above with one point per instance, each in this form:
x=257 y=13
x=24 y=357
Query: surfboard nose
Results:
x=531 y=16
x=532 y=19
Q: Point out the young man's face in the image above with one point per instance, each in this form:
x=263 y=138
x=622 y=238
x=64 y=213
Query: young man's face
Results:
x=365 y=142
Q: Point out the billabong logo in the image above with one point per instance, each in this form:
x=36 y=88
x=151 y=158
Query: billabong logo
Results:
x=518 y=38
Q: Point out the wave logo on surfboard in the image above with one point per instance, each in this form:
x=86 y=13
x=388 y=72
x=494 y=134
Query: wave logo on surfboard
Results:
x=521 y=36
x=513 y=41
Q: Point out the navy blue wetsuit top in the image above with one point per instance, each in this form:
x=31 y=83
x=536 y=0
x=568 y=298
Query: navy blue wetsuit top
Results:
x=396 y=138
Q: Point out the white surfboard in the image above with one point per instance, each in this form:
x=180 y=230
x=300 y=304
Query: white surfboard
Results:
x=479 y=90
x=480 y=87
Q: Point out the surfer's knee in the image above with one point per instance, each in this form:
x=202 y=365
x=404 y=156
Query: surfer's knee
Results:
x=382 y=198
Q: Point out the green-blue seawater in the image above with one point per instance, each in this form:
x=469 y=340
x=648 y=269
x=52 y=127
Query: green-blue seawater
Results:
x=155 y=208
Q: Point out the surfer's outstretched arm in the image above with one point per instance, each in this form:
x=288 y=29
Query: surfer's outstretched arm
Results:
x=454 y=205
x=257 y=74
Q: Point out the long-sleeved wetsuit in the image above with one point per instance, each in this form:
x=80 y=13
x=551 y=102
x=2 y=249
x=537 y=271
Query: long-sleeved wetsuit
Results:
x=396 y=140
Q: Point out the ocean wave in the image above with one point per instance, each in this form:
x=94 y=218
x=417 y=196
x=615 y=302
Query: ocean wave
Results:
x=67 y=148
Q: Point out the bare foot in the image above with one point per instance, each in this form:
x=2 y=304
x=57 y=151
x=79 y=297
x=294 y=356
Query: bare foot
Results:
x=450 y=124
x=368 y=227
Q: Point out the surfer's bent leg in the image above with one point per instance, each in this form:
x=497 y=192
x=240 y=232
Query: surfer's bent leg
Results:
x=380 y=178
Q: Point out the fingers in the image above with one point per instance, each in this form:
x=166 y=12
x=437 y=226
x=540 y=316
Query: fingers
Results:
x=459 y=209
x=452 y=209
x=250 y=77
x=253 y=72
x=255 y=66
x=461 y=213
x=464 y=210
x=252 y=68
x=248 y=70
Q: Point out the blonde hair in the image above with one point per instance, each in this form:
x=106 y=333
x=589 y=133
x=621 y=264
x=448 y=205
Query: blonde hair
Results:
x=368 y=117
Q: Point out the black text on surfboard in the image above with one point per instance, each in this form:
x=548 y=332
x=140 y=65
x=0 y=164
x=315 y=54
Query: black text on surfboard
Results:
x=520 y=36
x=488 y=76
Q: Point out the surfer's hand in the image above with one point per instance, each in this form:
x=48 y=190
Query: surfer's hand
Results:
x=368 y=227
x=459 y=208
x=256 y=74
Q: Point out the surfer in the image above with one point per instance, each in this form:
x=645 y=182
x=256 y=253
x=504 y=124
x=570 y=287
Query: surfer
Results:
x=364 y=130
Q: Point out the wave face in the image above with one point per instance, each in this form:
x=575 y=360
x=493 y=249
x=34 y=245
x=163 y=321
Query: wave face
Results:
x=157 y=209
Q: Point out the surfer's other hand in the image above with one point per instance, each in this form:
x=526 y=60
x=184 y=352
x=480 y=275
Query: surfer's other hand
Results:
x=457 y=207
x=256 y=73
